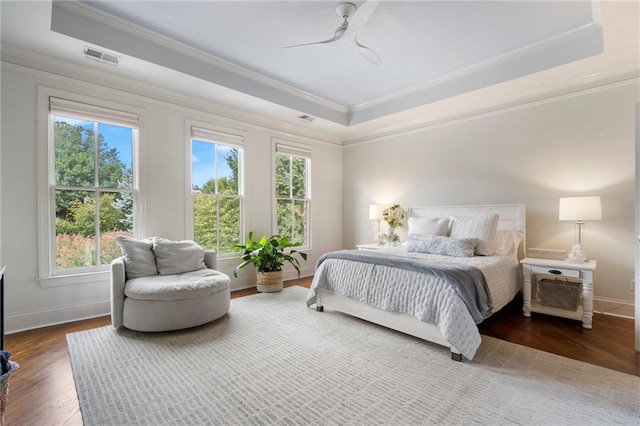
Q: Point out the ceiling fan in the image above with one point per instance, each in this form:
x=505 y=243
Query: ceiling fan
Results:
x=347 y=33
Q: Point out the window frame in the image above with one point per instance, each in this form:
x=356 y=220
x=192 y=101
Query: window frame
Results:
x=93 y=109
x=217 y=135
x=298 y=150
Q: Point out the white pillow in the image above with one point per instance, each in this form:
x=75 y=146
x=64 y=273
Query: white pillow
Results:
x=176 y=257
x=429 y=225
x=436 y=244
x=139 y=260
x=482 y=227
x=507 y=242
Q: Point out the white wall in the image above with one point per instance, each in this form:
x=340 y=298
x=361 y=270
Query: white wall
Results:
x=534 y=154
x=572 y=145
x=28 y=304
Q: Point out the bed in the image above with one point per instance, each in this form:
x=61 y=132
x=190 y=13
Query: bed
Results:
x=434 y=286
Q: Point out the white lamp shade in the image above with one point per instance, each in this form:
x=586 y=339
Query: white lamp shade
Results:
x=580 y=208
x=375 y=211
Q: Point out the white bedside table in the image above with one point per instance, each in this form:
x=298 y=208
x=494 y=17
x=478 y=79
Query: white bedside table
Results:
x=583 y=272
x=369 y=246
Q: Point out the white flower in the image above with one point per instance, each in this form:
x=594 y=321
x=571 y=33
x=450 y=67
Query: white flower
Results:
x=393 y=215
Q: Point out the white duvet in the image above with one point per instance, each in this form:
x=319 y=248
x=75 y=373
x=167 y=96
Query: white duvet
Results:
x=423 y=296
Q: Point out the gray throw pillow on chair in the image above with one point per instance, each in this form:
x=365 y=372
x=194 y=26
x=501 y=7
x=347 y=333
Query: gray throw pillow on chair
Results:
x=139 y=260
x=176 y=257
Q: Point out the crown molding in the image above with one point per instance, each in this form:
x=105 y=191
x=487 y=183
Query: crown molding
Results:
x=92 y=79
x=61 y=69
x=574 y=43
x=617 y=77
x=494 y=62
x=22 y=59
x=98 y=15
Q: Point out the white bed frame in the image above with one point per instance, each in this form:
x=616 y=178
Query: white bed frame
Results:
x=512 y=217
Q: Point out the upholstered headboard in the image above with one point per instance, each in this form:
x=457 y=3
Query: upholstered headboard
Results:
x=512 y=216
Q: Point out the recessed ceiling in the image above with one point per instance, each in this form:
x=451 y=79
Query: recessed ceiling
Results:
x=431 y=50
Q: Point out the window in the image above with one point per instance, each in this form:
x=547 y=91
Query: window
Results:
x=92 y=184
x=216 y=189
x=292 y=193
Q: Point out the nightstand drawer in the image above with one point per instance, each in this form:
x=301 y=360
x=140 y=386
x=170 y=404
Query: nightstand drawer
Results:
x=556 y=272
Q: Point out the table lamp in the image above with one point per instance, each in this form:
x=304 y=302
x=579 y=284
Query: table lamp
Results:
x=375 y=213
x=578 y=210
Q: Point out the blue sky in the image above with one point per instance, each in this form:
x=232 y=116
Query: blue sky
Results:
x=203 y=162
x=120 y=139
x=202 y=154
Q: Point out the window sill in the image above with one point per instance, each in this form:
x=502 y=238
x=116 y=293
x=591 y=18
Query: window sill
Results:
x=75 y=279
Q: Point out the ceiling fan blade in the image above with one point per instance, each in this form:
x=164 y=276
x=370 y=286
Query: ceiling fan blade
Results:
x=331 y=40
x=346 y=33
x=359 y=18
x=367 y=53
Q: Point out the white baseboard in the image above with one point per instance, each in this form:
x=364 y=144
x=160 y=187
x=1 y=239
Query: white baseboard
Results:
x=614 y=307
x=64 y=314
x=304 y=272
x=244 y=283
x=59 y=315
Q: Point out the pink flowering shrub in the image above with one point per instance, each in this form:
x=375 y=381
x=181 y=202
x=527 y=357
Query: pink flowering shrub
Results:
x=109 y=247
x=76 y=251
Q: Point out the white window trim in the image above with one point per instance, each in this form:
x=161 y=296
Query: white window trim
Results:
x=45 y=174
x=89 y=112
x=296 y=149
x=216 y=134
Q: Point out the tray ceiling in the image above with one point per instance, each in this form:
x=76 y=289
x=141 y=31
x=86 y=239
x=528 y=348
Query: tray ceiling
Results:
x=431 y=50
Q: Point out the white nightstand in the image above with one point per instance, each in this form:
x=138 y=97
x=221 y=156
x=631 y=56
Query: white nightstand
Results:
x=370 y=246
x=532 y=269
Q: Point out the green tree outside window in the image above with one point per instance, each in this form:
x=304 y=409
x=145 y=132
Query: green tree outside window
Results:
x=216 y=199
x=86 y=230
x=292 y=198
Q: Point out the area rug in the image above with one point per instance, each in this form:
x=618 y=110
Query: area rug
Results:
x=272 y=360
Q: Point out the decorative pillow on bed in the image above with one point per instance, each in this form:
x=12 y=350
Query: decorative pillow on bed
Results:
x=176 y=257
x=139 y=260
x=507 y=242
x=429 y=225
x=435 y=244
x=482 y=227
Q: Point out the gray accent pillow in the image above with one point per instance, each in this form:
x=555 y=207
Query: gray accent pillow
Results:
x=176 y=257
x=434 y=244
x=139 y=260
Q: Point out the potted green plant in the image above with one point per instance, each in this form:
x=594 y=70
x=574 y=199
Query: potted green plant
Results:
x=268 y=255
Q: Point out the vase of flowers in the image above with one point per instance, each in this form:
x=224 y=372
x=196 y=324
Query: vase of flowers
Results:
x=393 y=216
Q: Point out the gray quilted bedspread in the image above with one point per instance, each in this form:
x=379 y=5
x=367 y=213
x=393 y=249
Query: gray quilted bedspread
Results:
x=468 y=281
x=425 y=292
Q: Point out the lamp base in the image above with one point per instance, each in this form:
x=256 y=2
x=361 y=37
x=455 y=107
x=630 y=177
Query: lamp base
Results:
x=577 y=254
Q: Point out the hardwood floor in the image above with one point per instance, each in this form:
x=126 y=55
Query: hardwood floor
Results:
x=609 y=344
x=43 y=392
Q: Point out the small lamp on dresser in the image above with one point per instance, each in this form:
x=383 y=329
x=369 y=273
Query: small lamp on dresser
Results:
x=579 y=210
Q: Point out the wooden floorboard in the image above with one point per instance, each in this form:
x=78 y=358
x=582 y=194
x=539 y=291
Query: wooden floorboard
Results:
x=42 y=392
x=609 y=344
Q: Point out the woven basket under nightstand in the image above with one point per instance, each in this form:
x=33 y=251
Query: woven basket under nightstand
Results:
x=561 y=294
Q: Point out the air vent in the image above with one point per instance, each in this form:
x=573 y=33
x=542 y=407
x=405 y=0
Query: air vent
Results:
x=102 y=57
x=306 y=118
